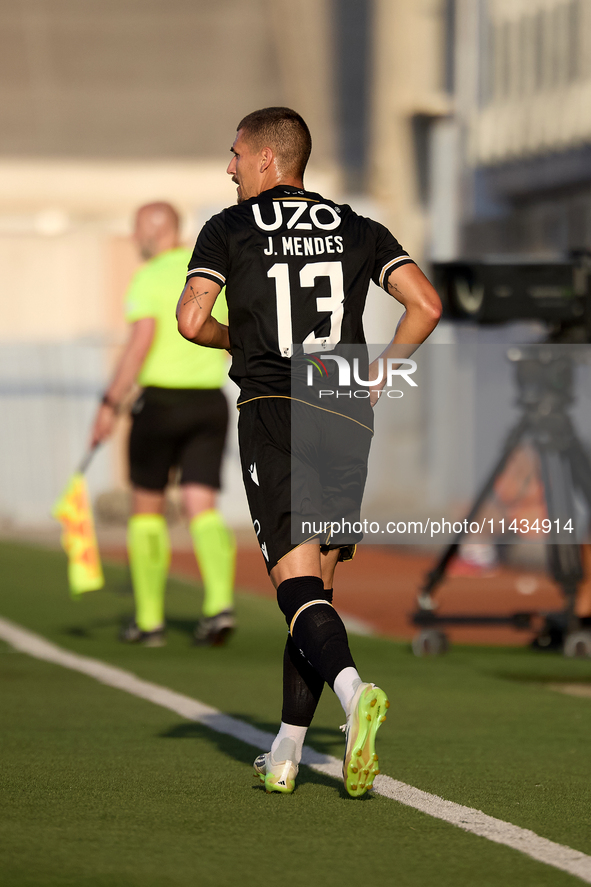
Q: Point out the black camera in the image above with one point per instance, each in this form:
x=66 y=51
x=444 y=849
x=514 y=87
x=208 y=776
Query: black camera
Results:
x=493 y=291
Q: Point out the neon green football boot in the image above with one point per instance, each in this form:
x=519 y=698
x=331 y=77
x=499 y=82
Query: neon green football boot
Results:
x=278 y=776
x=360 y=764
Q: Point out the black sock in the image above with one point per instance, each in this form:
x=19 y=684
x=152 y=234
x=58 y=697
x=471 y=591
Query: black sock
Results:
x=318 y=632
x=302 y=687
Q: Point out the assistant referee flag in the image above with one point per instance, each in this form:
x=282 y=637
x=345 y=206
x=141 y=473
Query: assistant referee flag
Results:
x=74 y=513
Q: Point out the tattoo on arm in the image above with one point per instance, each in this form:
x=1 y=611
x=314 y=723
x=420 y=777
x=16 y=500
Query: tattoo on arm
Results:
x=393 y=287
x=195 y=297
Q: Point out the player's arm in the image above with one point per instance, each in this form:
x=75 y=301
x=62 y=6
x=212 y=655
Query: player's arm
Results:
x=193 y=314
x=135 y=352
x=409 y=286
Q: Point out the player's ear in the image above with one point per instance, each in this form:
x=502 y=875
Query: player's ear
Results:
x=267 y=157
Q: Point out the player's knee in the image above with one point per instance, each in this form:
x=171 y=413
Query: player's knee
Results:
x=292 y=594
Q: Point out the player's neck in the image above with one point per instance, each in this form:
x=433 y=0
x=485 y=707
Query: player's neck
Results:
x=282 y=181
x=293 y=183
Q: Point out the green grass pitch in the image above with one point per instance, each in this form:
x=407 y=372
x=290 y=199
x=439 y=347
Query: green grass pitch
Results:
x=99 y=788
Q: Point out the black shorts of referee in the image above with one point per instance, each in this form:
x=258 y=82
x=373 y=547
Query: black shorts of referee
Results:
x=183 y=428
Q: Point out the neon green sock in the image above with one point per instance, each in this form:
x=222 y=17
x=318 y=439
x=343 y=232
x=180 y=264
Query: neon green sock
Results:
x=215 y=550
x=148 y=548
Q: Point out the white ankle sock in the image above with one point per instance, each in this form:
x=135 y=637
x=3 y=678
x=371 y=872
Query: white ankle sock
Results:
x=345 y=685
x=289 y=731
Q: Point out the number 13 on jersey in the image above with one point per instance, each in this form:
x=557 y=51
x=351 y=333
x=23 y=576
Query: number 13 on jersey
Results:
x=333 y=304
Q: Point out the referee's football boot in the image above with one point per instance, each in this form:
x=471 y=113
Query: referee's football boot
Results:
x=213 y=631
x=133 y=634
x=278 y=775
x=360 y=764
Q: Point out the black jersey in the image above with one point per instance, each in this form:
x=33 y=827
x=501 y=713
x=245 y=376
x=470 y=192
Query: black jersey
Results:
x=297 y=268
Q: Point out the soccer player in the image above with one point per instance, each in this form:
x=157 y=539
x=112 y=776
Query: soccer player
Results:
x=297 y=267
x=178 y=421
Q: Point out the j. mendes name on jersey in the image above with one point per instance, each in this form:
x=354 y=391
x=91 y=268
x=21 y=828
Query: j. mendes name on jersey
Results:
x=304 y=246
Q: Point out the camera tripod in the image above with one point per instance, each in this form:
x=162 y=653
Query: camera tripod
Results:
x=545 y=381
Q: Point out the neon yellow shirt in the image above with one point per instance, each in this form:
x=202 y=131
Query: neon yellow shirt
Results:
x=172 y=362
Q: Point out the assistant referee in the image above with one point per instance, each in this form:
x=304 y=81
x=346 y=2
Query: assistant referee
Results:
x=178 y=421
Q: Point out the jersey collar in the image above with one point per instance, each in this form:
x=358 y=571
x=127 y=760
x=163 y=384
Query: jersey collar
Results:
x=278 y=190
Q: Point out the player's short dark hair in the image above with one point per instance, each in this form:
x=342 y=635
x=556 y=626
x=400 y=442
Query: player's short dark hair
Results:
x=283 y=130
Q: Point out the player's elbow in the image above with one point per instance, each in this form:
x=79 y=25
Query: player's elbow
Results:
x=430 y=307
x=433 y=310
x=189 y=327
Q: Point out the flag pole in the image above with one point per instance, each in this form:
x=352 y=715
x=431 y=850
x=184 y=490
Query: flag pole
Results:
x=88 y=457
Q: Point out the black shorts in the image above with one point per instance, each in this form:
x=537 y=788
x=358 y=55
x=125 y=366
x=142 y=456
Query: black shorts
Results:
x=306 y=485
x=177 y=428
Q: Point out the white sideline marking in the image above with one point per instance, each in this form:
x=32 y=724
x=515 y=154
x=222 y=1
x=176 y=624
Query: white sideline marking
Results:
x=582 y=690
x=467 y=818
